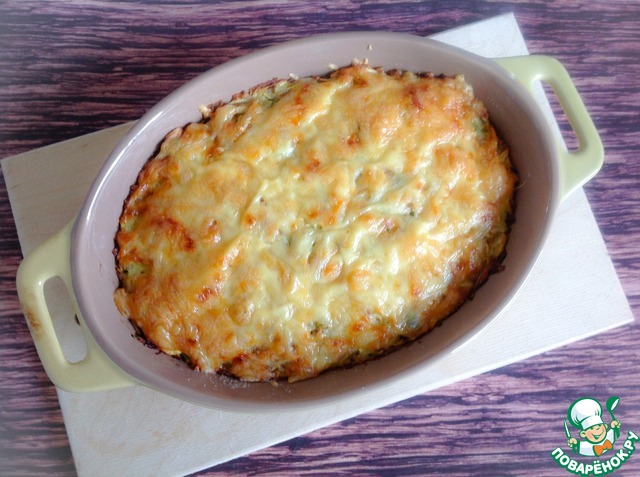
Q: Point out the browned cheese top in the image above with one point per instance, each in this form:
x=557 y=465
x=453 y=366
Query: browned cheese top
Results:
x=315 y=222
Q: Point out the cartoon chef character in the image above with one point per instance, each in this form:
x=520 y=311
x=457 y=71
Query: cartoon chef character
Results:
x=586 y=415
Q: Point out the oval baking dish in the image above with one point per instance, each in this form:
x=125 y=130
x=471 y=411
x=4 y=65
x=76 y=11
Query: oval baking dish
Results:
x=81 y=253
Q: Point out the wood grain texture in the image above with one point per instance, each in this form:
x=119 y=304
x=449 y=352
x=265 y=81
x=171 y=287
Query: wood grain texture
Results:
x=67 y=69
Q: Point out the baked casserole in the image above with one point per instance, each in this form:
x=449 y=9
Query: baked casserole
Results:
x=313 y=223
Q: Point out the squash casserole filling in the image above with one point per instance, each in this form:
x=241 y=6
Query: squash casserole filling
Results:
x=313 y=223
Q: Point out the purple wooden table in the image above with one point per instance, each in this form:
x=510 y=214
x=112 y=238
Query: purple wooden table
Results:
x=66 y=70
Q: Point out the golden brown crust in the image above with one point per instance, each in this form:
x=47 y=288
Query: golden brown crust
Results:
x=316 y=222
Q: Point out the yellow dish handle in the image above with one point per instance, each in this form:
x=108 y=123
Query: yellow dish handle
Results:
x=95 y=371
x=579 y=166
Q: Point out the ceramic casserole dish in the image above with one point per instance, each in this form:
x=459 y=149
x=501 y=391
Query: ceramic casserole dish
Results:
x=81 y=253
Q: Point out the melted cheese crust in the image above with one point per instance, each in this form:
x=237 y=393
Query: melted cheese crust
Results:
x=313 y=223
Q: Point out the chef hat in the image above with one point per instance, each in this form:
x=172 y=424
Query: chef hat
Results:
x=584 y=413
